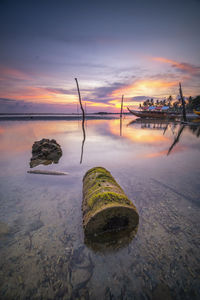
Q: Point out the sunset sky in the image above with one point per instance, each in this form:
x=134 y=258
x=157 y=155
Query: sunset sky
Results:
x=138 y=48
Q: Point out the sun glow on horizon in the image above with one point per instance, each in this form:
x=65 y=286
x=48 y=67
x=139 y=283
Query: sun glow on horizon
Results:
x=145 y=87
x=25 y=88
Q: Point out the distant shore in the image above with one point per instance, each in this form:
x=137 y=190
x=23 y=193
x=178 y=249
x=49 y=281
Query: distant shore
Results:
x=54 y=116
x=62 y=116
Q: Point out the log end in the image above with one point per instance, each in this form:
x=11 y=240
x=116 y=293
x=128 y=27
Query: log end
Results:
x=112 y=218
x=110 y=241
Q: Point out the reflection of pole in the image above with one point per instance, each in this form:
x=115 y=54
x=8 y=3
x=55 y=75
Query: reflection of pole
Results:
x=85 y=114
x=165 y=129
x=78 y=113
x=83 y=120
x=183 y=103
x=176 y=140
x=122 y=106
x=120 y=126
x=121 y=113
x=83 y=141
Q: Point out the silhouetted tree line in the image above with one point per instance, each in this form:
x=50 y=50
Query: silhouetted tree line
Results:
x=191 y=103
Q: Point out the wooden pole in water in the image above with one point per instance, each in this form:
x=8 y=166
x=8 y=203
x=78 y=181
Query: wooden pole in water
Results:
x=183 y=103
x=79 y=95
x=83 y=120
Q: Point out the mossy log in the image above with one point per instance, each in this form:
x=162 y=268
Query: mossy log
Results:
x=105 y=206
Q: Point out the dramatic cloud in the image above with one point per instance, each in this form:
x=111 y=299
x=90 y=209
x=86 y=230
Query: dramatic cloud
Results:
x=140 y=98
x=11 y=73
x=106 y=91
x=44 y=46
x=145 y=86
x=60 y=91
x=5 y=100
x=20 y=106
x=31 y=95
x=183 y=67
x=12 y=105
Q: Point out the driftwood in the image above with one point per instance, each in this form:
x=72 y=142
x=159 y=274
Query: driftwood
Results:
x=45 y=172
x=105 y=206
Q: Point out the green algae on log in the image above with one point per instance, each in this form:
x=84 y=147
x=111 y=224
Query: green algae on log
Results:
x=105 y=206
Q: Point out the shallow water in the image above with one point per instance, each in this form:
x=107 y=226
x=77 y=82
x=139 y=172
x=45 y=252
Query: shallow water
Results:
x=42 y=248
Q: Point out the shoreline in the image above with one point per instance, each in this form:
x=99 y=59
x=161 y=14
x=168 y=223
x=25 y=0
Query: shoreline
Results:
x=67 y=117
x=55 y=117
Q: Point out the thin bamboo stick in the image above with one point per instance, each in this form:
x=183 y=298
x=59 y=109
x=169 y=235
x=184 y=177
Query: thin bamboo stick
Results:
x=83 y=121
x=79 y=95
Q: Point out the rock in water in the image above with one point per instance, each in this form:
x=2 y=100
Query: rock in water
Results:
x=45 y=152
x=105 y=206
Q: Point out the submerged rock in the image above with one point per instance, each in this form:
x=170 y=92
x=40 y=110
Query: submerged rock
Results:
x=37 y=224
x=105 y=206
x=45 y=152
x=4 y=229
x=161 y=291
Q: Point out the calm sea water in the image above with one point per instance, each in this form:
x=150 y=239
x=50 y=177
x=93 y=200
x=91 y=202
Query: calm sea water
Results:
x=42 y=248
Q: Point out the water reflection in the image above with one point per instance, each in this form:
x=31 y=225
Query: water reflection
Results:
x=120 y=125
x=83 y=141
x=164 y=126
x=156 y=124
x=176 y=140
x=195 y=128
x=18 y=137
x=42 y=243
x=135 y=134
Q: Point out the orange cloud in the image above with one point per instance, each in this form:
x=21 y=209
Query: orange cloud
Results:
x=11 y=73
x=150 y=87
x=127 y=102
x=182 y=66
x=39 y=95
x=42 y=95
x=96 y=104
